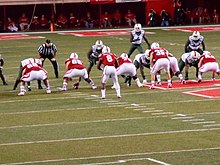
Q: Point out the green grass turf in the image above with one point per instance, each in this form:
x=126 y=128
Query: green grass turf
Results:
x=77 y=127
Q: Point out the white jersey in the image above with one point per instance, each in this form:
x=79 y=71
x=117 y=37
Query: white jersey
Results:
x=96 y=53
x=187 y=57
x=30 y=60
x=194 y=45
x=137 y=57
x=136 y=36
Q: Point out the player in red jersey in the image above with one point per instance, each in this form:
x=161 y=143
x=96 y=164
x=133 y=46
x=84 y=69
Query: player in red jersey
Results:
x=127 y=67
x=32 y=70
x=158 y=61
x=75 y=68
x=109 y=61
x=207 y=63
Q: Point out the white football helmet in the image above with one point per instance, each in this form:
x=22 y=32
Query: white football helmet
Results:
x=137 y=27
x=124 y=55
x=99 y=44
x=106 y=49
x=155 y=45
x=196 y=35
x=194 y=55
x=74 y=55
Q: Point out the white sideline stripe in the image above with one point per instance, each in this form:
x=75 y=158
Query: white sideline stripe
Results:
x=113 y=156
x=211 y=125
x=163 y=113
x=191 y=120
x=153 y=111
x=183 y=117
x=157 y=161
x=69 y=123
x=205 y=122
x=110 y=136
x=129 y=160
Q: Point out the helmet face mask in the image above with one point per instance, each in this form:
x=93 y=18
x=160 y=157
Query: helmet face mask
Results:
x=137 y=27
x=196 y=35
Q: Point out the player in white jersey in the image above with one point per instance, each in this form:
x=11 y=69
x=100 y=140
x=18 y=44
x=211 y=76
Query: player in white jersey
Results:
x=32 y=70
x=137 y=35
x=187 y=60
x=194 y=42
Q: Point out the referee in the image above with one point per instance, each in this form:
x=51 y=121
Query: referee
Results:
x=48 y=50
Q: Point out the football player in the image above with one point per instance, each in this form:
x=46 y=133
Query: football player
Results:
x=193 y=43
x=158 y=61
x=1 y=72
x=32 y=70
x=109 y=61
x=75 y=68
x=207 y=63
x=127 y=67
x=93 y=54
x=187 y=60
x=136 y=39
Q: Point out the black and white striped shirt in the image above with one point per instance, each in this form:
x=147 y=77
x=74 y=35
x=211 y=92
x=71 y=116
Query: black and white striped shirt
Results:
x=47 y=51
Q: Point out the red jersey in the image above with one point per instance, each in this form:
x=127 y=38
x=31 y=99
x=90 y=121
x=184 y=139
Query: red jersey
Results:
x=159 y=53
x=108 y=59
x=207 y=58
x=74 y=63
x=31 y=67
x=122 y=60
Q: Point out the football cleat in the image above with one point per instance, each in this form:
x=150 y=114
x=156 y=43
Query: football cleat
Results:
x=152 y=87
x=63 y=89
x=21 y=94
x=29 y=88
x=182 y=81
x=40 y=87
x=169 y=85
x=119 y=96
x=48 y=91
x=94 y=86
x=199 y=81
x=145 y=81
x=158 y=83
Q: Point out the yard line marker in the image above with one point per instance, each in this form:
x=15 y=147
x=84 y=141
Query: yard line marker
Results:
x=128 y=160
x=109 y=136
x=113 y=156
x=205 y=122
x=157 y=161
x=211 y=125
x=184 y=117
x=139 y=109
x=153 y=111
x=191 y=120
x=162 y=113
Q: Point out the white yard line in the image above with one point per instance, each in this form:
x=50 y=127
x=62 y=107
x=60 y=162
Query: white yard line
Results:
x=114 y=156
x=110 y=136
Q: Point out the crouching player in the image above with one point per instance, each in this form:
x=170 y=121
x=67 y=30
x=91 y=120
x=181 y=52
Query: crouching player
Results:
x=32 y=70
x=75 y=68
x=207 y=63
x=158 y=61
x=127 y=67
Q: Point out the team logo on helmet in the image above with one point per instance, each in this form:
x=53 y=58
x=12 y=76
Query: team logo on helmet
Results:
x=124 y=55
x=194 y=55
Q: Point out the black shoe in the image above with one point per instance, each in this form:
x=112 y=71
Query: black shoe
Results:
x=40 y=87
x=5 y=83
x=29 y=88
x=186 y=78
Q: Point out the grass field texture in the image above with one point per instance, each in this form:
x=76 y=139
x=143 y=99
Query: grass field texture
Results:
x=77 y=127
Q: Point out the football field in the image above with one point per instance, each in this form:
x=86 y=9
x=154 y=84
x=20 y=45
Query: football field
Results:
x=178 y=126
